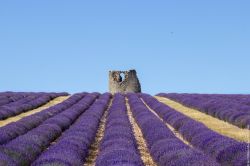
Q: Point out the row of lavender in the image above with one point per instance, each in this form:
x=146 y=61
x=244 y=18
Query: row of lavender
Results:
x=27 y=139
x=14 y=103
x=164 y=146
x=220 y=106
x=8 y=97
x=235 y=98
x=224 y=150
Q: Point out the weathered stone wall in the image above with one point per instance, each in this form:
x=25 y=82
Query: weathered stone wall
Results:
x=130 y=83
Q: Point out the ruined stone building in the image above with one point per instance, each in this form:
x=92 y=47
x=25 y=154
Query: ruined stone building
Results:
x=124 y=81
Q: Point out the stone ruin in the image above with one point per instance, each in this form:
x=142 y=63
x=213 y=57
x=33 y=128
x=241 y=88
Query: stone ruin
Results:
x=123 y=82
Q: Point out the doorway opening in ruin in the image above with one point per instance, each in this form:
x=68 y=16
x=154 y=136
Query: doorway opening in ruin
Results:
x=122 y=77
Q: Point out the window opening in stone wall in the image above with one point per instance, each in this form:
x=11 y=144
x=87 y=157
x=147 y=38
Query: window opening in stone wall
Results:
x=122 y=77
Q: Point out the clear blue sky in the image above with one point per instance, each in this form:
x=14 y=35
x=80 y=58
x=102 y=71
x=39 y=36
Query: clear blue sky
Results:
x=175 y=45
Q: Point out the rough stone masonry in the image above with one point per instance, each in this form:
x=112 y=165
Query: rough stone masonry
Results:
x=124 y=81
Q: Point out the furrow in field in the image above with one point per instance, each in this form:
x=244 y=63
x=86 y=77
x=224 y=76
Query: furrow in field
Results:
x=94 y=148
x=175 y=132
x=142 y=146
x=212 y=123
x=25 y=114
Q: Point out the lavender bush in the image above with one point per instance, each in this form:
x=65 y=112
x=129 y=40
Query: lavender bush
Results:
x=165 y=148
x=6 y=98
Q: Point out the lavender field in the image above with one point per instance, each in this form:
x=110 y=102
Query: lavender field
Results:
x=132 y=129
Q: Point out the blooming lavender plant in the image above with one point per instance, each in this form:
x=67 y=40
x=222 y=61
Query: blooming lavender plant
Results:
x=6 y=98
x=165 y=148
